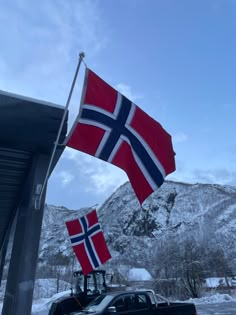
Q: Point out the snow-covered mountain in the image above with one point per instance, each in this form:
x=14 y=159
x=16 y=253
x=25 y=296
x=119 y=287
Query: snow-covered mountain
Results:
x=133 y=233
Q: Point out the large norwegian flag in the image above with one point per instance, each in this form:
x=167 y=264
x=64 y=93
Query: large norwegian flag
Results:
x=88 y=242
x=112 y=128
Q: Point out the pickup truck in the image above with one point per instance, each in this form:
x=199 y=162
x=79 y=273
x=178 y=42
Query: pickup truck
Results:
x=143 y=302
x=86 y=289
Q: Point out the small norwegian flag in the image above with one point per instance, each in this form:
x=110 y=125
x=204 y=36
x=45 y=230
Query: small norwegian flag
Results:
x=88 y=241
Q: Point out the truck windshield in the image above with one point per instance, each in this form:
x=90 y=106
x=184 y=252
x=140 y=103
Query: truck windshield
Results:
x=98 y=304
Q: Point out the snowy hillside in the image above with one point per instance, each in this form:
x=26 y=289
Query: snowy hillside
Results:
x=182 y=210
x=134 y=234
x=200 y=211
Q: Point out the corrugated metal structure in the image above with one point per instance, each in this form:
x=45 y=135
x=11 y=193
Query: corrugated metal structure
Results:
x=28 y=130
x=13 y=169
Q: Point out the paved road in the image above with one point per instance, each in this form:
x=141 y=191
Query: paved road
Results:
x=227 y=308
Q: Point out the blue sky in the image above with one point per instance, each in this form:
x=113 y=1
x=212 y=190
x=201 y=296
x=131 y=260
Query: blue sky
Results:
x=175 y=59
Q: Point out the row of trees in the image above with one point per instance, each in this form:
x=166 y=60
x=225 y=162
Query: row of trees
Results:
x=179 y=266
x=182 y=266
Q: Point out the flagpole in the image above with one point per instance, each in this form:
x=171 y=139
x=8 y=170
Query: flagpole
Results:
x=40 y=194
x=81 y=102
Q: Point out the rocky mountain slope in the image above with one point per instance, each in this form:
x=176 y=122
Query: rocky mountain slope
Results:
x=133 y=233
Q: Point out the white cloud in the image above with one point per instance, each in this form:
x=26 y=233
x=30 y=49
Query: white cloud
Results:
x=180 y=137
x=101 y=177
x=65 y=177
x=71 y=154
x=41 y=44
x=126 y=91
x=216 y=175
x=219 y=175
x=107 y=178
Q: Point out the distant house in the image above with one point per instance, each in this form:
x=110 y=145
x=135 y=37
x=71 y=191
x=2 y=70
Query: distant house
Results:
x=139 y=274
x=131 y=277
x=139 y=278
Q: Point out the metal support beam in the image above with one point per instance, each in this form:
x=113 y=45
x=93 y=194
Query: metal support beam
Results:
x=5 y=245
x=22 y=268
x=3 y=252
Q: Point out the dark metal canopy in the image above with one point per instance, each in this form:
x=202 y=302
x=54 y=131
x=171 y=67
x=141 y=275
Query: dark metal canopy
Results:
x=27 y=126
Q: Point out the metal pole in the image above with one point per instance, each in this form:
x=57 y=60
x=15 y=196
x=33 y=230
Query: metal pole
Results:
x=21 y=272
x=79 y=113
x=41 y=189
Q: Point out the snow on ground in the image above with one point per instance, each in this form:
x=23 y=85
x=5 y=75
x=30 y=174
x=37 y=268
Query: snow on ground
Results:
x=41 y=306
x=45 y=287
x=216 y=282
x=211 y=299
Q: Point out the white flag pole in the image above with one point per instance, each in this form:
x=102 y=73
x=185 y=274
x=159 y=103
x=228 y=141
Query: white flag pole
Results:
x=79 y=112
x=41 y=191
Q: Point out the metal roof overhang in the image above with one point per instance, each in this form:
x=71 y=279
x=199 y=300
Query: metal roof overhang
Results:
x=27 y=126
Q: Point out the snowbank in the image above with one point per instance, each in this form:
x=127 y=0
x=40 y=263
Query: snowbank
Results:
x=42 y=306
x=216 y=298
x=217 y=282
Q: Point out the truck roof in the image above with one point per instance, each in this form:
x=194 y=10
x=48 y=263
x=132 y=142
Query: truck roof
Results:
x=116 y=293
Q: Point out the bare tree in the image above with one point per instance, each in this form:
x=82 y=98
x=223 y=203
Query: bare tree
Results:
x=182 y=262
x=219 y=265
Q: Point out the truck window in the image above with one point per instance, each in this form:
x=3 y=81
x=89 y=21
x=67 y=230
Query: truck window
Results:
x=130 y=304
x=126 y=303
x=119 y=304
x=141 y=301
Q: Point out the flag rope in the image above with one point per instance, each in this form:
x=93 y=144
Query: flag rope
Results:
x=56 y=143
